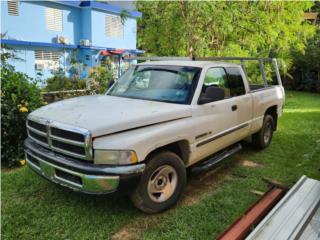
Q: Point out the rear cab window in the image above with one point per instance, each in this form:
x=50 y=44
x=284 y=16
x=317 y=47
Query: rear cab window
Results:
x=235 y=82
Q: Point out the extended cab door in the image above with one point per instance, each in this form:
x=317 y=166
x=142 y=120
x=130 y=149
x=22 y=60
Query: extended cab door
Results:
x=221 y=123
x=242 y=100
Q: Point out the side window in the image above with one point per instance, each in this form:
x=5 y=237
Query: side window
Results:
x=13 y=7
x=54 y=19
x=235 y=82
x=216 y=77
x=113 y=26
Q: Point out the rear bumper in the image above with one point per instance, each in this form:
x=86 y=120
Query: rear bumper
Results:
x=81 y=176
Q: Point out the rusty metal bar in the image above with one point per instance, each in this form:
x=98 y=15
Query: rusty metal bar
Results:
x=243 y=225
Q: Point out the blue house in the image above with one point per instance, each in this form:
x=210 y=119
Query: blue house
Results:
x=51 y=35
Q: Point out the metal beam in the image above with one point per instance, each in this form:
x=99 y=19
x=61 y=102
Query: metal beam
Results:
x=263 y=74
x=168 y=58
x=232 y=59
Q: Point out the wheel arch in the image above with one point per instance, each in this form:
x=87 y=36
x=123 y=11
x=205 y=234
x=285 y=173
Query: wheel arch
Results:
x=181 y=148
x=273 y=111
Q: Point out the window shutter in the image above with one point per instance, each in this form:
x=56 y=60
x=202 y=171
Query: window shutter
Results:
x=47 y=59
x=54 y=19
x=47 y=55
x=113 y=26
x=13 y=7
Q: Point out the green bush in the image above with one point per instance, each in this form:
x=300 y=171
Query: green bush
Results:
x=99 y=79
x=19 y=96
x=61 y=83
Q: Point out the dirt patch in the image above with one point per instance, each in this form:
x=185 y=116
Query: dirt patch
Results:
x=201 y=185
x=250 y=164
x=125 y=234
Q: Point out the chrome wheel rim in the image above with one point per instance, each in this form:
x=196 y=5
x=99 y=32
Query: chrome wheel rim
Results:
x=162 y=183
x=267 y=132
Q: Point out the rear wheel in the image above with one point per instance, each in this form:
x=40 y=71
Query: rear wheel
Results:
x=262 y=139
x=161 y=183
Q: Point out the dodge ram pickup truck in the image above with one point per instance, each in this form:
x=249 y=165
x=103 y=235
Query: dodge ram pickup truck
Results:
x=160 y=119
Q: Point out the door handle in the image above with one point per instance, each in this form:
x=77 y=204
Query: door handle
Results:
x=234 y=107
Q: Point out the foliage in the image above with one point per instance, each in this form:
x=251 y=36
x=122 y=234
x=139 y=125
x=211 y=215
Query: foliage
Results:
x=100 y=77
x=7 y=53
x=75 y=66
x=19 y=96
x=61 y=83
x=124 y=16
x=230 y=28
x=308 y=63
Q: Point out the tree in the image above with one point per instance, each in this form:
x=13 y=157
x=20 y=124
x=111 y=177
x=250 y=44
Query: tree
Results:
x=253 y=28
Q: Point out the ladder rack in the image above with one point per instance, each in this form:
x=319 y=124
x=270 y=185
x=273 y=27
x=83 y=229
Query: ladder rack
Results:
x=241 y=59
x=168 y=58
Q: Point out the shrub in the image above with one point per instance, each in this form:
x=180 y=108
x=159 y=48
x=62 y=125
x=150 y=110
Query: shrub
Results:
x=61 y=83
x=19 y=96
x=99 y=79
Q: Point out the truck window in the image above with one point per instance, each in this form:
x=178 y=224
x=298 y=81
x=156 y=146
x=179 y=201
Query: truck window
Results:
x=216 y=77
x=157 y=83
x=235 y=82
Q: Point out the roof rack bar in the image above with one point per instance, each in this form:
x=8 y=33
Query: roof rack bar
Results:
x=156 y=58
x=232 y=59
x=160 y=58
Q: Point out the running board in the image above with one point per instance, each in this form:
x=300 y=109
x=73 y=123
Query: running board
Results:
x=218 y=157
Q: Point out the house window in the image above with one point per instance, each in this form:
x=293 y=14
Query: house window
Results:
x=47 y=59
x=54 y=19
x=113 y=26
x=13 y=7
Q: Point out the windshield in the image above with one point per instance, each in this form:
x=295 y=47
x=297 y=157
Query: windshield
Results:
x=174 y=84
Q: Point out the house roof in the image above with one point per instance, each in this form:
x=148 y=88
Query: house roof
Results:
x=107 y=7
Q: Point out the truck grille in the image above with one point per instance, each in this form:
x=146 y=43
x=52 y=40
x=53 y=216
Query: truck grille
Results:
x=58 y=137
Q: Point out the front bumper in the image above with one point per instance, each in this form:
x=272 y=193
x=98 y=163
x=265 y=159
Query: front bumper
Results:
x=79 y=175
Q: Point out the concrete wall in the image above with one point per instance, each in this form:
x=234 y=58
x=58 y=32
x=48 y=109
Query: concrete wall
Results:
x=26 y=61
x=30 y=25
x=99 y=37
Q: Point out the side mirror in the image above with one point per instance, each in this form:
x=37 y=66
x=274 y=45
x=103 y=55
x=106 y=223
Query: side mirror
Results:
x=211 y=94
x=110 y=84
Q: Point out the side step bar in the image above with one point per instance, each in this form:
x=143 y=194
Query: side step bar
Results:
x=218 y=157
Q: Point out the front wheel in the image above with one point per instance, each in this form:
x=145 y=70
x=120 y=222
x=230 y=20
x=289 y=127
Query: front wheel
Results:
x=161 y=183
x=262 y=139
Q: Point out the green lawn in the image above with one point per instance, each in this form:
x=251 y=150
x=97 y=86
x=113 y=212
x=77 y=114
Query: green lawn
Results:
x=33 y=208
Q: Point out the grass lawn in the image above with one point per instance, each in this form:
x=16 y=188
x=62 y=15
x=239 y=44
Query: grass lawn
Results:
x=33 y=208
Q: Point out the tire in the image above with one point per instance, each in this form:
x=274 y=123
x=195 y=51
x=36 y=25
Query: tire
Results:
x=263 y=138
x=161 y=184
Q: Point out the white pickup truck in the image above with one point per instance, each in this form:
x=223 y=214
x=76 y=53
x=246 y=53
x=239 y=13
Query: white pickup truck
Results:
x=158 y=120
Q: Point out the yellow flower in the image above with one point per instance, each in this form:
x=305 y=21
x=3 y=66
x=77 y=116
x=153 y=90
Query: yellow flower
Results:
x=23 y=109
x=22 y=162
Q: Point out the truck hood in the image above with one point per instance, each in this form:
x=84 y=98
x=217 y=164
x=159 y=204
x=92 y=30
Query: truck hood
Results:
x=102 y=114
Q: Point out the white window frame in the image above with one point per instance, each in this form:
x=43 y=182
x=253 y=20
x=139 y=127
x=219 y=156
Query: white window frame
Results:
x=54 y=19
x=48 y=59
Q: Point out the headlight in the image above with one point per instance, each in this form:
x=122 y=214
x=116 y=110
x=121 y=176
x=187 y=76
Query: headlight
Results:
x=115 y=157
